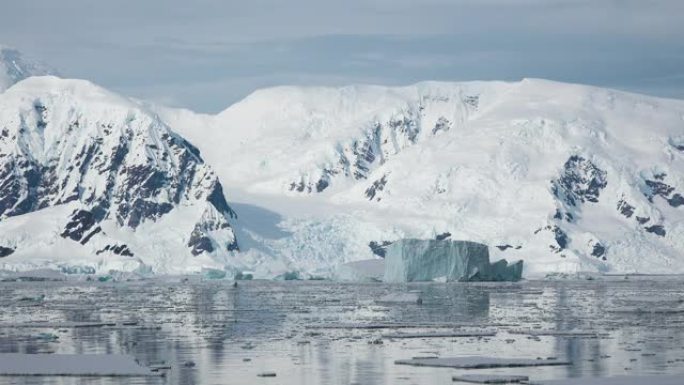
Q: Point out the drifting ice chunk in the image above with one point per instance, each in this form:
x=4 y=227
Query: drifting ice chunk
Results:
x=490 y=379
x=213 y=273
x=483 y=333
x=410 y=260
x=370 y=270
x=621 y=380
x=18 y=364
x=475 y=362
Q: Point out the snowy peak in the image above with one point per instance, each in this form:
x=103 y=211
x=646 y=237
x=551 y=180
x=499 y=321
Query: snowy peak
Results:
x=14 y=67
x=116 y=165
x=564 y=176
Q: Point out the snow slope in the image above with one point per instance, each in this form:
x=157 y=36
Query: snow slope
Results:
x=14 y=66
x=566 y=177
x=91 y=181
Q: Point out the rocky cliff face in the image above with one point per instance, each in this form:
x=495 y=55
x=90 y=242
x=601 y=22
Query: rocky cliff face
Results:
x=115 y=165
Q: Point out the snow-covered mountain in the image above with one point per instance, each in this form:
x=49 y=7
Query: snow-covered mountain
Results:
x=14 y=67
x=566 y=177
x=91 y=180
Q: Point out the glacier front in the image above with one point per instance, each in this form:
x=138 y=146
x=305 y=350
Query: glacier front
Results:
x=412 y=260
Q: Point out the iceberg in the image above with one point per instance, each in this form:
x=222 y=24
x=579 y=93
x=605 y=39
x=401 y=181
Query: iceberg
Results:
x=413 y=260
x=369 y=270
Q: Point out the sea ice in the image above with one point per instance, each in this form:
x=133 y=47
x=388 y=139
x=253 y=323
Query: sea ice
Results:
x=105 y=365
x=411 y=260
x=490 y=378
x=620 y=380
x=476 y=362
x=483 y=333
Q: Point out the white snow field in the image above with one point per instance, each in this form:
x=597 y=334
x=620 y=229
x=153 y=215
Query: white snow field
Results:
x=567 y=178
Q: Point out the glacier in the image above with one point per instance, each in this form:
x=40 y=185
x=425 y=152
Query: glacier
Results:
x=415 y=260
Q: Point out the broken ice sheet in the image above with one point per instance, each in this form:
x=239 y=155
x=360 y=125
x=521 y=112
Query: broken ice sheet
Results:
x=621 y=380
x=105 y=365
x=482 y=333
x=490 y=378
x=477 y=362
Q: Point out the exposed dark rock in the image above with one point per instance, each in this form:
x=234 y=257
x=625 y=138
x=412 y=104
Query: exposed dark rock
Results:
x=561 y=237
x=472 y=101
x=218 y=200
x=598 y=250
x=658 y=188
x=676 y=200
x=5 y=251
x=625 y=208
x=322 y=184
x=677 y=143
x=200 y=243
x=642 y=220
x=442 y=124
x=657 y=230
x=504 y=247
x=580 y=181
x=660 y=176
x=379 y=248
x=117 y=249
x=80 y=222
x=140 y=210
x=359 y=156
x=377 y=186
x=443 y=236
x=85 y=239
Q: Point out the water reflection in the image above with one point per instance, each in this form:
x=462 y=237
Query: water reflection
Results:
x=211 y=332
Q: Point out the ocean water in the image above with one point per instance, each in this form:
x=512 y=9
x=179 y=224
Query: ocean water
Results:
x=318 y=332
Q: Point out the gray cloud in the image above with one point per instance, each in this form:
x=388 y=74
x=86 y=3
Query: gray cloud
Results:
x=207 y=54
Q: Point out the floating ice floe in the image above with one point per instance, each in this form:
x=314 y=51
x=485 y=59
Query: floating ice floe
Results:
x=560 y=333
x=483 y=333
x=96 y=365
x=477 y=362
x=67 y=324
x=620 y=380
x=490 y=378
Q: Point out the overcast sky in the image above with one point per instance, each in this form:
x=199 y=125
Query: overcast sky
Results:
x=207 y=54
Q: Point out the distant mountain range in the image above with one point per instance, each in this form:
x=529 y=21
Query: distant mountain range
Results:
x=566 y=177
